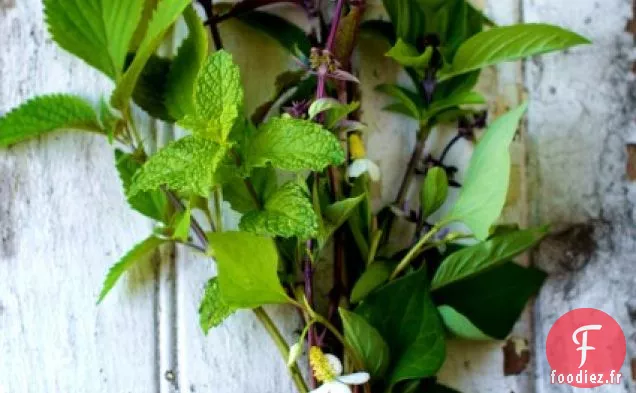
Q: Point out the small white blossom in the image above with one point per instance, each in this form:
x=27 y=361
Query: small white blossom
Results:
x=362 y=165
x=328 y=369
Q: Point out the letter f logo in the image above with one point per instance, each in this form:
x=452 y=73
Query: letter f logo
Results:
x=583 y=346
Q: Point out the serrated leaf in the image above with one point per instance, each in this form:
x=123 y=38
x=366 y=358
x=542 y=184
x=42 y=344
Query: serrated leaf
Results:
x=164 y=17
x=337 y=214
x=186 y=66
x=376 y=274
x=248 y=266
x=287 y=212
x=213 y=309
x=406 y=55
x=264 y=182
x=44 y=114
x=152 y=204
x=97 y=31
x=461 y=326
x=509 y=43
x=293 y=144
x=287 y=34
x=483 y=193
x=187 y=165
x=218 y=97
x=471 y=260
x=142 y=26
x=138 y=254
x=407 y=98
x=367 y=341
x=434 y=191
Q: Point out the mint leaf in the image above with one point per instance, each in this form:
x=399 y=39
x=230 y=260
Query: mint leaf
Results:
x=248 y=267
x=287 y=212
x=213 y=310
x=494 y=299
x=165 y=15
x=376 y=274
x=483 y=193
x=293 y=144
x=404 y=314
x=461 y=326
x=138 y=254
x=337 y=214
x=235 y=192
x=185 y=67
x=408 y=56
x=44 y=114
x=434 y=191
x=97 y=31
x=471 y=260
x=218 y=97
x=152 y=204
x=367 y=341
x=187 y=165
x=509 y=43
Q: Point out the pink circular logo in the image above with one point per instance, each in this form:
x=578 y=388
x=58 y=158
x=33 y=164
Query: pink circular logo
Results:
x=585 y=348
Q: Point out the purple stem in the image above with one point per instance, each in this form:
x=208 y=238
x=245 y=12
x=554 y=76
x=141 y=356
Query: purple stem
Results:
x=334 y=26
x=309 y=294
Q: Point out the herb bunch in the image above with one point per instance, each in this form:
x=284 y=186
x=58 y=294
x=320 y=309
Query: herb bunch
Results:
x=297 y=171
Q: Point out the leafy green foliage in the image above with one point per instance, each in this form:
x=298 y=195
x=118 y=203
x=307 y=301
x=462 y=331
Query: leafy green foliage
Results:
x=494 y=299
x=486 y=183
x=434 y=191
x=510 y=43
x=451 y=102
x=408 y=56
x=213 y=310
x=294 y=145
x=44 y=114
x=287 y=212
x=288 y=35
x=410 y=102
x=459 y=325
x=97 y=31
x=185 y=67
x=152 y=204
x=376 y=274
x=138 y=254
x=150 y=90
x=407 y=17
x=165 y=15
x=181 y=225
x=404 y=314
x=187 y=165
x=218 y=98
x=337 y=214
x=264 y=182
x=247 y=266
x=472 y=260
x=367 y=341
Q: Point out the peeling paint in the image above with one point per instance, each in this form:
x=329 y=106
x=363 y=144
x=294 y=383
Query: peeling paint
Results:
x=516 y=356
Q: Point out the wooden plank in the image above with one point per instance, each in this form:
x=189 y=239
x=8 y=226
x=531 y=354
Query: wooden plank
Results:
x=63 y=222
x=581 y=119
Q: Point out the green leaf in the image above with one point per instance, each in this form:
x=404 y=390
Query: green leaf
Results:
x=461 y=326
x=164 y=17
x=287 y=212
x=471 y=260
x=264 y=181
x=247 y=266
x=434 y=191
x=337 y=214
x=218 y=98
x=150 y=91
x=483 y=194
x=186 y=165
x=152 y=204
x=367 y=341
x=181 y=227
x=287 y=34
x=142 y=26
x=510 y=43
x=376 y=274
x=408 y=56
x=138 y=254
x=409 y=99
x=322 y=105
x=404 y=314
x=97 y=31
x=186 y=66
x=407 y=17
x=456 y=100
x=295 y=145
x=213 y=309
x=494 y=299
x=44 y=114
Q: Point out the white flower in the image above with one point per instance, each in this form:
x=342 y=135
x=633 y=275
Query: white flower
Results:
x=362 y=165
x=328 y=369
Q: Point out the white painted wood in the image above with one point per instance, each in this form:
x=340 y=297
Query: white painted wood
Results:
x=63 y=223
x=581 y=117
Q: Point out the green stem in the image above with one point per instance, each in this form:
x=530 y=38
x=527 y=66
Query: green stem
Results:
x=282 y=346
x=404 y=263
x=218 y=198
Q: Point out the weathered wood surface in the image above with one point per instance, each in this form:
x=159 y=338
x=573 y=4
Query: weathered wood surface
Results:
x=63 y=219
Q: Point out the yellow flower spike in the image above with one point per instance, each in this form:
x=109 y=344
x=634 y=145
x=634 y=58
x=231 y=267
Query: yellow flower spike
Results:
x=356 y=146
x=320 y=364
